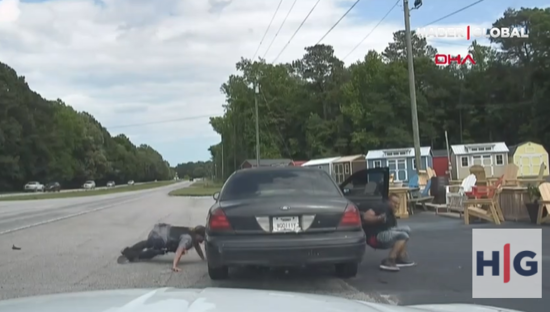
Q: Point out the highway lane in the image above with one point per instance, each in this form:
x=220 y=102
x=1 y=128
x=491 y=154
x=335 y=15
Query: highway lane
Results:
x=66 y=190
x=16 y=215
x=80 y=253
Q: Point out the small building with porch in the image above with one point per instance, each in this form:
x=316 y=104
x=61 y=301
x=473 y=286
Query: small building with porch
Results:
x=528 y=156
x=325 y=164
x=252 y=163
x=400 y=161
x=493 y=157
x=345 y=166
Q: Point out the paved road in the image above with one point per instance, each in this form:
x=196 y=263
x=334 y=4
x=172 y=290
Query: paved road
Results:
x=443 y=249
x=17 y=215
x=66 y=190
x=79 y=253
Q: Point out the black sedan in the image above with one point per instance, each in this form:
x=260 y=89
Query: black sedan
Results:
x=290 y=216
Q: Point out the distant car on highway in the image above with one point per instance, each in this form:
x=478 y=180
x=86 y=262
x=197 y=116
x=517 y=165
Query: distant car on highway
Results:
x=111 y=184
x=89 y=185
x=34 y=186
x=53 y=187
x=290 y=216
x=131 y=182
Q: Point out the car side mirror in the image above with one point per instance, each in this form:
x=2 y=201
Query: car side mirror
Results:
x=346 y=191
x=216 y=195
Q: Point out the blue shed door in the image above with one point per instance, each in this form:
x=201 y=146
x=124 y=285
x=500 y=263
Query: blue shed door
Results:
x=399 y=169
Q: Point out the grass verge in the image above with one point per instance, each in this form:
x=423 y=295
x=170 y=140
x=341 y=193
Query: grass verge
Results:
x=199 y=188
x=121 y=189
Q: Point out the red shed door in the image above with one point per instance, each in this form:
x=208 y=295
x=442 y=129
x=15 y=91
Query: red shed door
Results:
x=440 y=165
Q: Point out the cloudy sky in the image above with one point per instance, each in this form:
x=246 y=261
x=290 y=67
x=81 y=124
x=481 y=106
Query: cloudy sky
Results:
x=152 y=68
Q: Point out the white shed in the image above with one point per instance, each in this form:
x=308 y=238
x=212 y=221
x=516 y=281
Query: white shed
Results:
x=492 y=156
x=322 y=163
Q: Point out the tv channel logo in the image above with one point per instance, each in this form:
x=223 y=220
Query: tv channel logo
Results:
x=507 y=263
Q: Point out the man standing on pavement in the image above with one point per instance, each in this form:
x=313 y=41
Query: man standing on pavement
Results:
x=380 y=223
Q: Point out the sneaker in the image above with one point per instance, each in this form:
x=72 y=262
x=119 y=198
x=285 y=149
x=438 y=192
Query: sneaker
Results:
x=122 y=260
x=128 y=254
x=389 y=265
x=404 y=262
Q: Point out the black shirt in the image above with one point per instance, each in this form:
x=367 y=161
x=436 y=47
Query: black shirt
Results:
x=391 y=221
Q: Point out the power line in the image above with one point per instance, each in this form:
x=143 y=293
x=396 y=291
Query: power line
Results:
x=159 y=121
x=280 y=27
x=297 y=30
x=453 y=13
x=338 y=22
x=267 y=30
x=372 y=31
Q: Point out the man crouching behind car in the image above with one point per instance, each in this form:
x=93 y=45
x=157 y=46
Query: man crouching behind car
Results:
x=380 y=226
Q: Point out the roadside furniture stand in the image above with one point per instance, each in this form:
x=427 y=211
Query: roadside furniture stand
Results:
x=483 y=203
x=543 y=215
x=456 y=195
x=419 y=194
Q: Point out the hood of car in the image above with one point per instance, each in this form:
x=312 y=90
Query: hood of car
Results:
x=213 y=300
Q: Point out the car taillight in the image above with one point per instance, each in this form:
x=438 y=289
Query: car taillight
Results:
x=351 y=216
x=218 y=221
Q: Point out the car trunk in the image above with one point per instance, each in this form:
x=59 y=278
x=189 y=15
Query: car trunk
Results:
x=280 y=214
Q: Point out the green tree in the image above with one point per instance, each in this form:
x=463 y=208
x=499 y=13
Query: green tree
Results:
x=50 y=141
x=315 y=106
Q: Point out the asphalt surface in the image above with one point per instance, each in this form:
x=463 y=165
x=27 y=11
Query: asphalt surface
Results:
x=442 y=247
x=72 y=244
x=66 y=190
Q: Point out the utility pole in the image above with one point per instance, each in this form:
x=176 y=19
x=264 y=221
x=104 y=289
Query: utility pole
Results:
x=412 y=85
x=214 y=168
x=460 y=106
x=234 y=144
x=256 y=88
x=223 y=163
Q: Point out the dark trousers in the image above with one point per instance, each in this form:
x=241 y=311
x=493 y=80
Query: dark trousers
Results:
x=147 y=249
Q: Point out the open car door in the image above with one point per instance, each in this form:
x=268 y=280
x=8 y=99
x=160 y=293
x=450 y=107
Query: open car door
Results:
x=367 y=188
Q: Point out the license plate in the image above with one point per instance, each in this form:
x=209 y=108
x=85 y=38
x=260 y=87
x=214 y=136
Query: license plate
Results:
x=286 y=224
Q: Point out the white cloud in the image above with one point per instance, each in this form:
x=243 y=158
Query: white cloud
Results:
x=9 y=11
x=138 y=61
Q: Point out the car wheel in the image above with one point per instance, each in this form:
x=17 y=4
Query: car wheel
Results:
x=346 y=270
x=219 y=273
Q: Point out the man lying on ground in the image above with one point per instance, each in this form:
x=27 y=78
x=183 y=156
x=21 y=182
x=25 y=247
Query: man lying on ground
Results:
x=381 y=223
x=165 y=238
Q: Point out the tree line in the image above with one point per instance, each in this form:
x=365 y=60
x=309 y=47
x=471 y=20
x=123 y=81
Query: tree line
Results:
x=193 y=170
x=46 y=141
x=317 y=107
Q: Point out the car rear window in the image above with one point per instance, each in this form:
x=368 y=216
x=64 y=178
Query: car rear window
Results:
x=261 y=183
